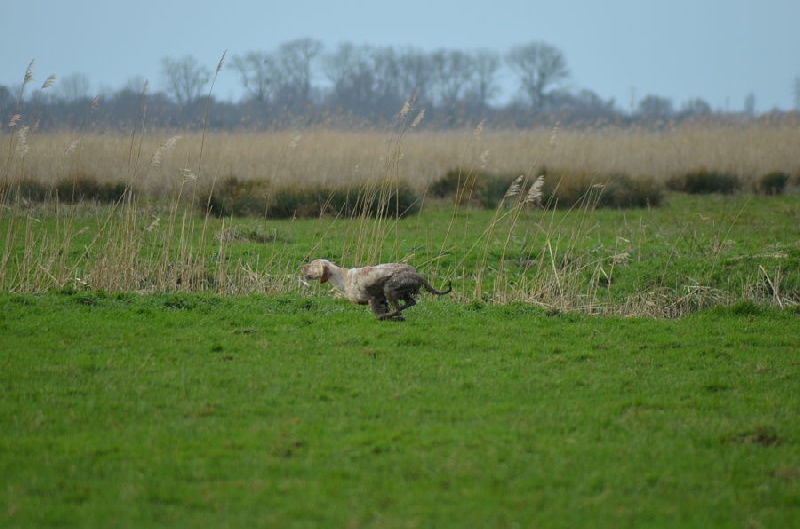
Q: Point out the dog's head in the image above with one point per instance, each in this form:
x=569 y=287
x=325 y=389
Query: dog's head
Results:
x=317 y=269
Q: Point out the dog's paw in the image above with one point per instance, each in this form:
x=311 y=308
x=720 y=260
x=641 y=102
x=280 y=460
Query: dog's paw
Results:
x=391 y=317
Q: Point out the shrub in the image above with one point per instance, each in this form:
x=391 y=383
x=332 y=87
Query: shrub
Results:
x=247 y=199
x=67 y=190
x=562 y=189
x=295 y=202
x=25 y=189
x=83 y=187
x=773 y=183
x=623 y=191
x=236 y=198
x=476 y=188
x=702 y=182
x=396 y=201
x=566 y=189
x=450 y=184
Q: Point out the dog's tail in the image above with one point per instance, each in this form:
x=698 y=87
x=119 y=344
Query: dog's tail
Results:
x=432 y=290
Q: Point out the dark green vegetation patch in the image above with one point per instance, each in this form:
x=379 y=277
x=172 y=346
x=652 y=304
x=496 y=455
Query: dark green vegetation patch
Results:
x=561 y=189
x=237 y=198
x=704 y=182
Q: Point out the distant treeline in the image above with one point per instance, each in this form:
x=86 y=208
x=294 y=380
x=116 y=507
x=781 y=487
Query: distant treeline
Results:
x=300 y=84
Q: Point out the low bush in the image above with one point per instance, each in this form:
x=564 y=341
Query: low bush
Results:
x=26 y=189
x=67 y=190
x=773 y=183
x=566 y=189
x=237 y=198
x=86 y=188
x=703 y=182
x=397 y=201
x=623 y=191
x=248 y=199
x=296 y=203
x=561 y=189
x=476 y=188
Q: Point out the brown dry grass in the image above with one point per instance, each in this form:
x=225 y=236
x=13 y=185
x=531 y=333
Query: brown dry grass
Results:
x=332 y=157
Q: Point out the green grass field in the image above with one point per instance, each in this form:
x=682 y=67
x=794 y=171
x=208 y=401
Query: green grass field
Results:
x=189 y=410
x=593 y=368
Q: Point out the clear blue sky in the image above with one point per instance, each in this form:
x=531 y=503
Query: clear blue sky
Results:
x=718 y=50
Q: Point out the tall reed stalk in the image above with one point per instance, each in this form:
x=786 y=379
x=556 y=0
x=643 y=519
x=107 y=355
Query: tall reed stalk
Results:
x=379 y=218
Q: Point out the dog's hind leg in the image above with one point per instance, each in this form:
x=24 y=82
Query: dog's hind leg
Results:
x=379 y=306
x=397 y=310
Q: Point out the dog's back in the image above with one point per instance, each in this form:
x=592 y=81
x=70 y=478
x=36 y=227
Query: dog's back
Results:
x=369 y=281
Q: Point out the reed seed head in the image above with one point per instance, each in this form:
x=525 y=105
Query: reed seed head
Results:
x=418 y=119
x=168 y=145
x=28 y=73
x=22 y=141
x=554 y=134
x=72 y=147
x=484 y=158
x=535 y=194
x=404 y=111
x=515 y=187
x=154 y=224
x=50 y=81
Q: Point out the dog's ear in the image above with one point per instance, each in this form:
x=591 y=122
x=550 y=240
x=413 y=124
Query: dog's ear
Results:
x=325 y=274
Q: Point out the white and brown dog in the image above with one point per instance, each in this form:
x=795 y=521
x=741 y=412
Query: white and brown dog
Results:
x=381 y=287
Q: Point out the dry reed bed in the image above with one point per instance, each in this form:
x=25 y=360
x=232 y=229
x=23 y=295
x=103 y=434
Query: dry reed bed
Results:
x=333 y=157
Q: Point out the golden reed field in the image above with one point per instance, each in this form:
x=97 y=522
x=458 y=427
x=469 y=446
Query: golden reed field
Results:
x=158 y=162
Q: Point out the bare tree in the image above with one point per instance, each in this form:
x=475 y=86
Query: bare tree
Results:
x=539 y=66
x=416 y=74
x=452 y=71
x=6 y=98
x=256 y=70
x=655 y=107
x=74 y=87
x=695 y=107
x=136 y=84
x=351 y=70
x=486 y=64
x=388 y=84
x=584 y=105
x=293 y=67
x=184 y=78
